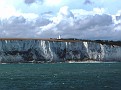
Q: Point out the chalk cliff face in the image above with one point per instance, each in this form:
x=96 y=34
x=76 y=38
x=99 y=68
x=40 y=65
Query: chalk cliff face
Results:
x=56 y=51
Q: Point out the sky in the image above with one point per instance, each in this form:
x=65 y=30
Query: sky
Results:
x=82 y=19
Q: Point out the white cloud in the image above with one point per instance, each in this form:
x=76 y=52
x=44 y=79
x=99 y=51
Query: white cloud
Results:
x=76 y=23
x=69 y=25
x=52 y=2
x=99 y=10
x=79 y=12
x=7 y=12
x=117 y=21
x=65 y=12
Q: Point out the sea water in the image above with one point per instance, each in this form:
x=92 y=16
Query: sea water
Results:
x=61 y=76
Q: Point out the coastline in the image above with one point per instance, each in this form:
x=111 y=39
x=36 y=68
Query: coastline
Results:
x=70 y=62
x=54 y=50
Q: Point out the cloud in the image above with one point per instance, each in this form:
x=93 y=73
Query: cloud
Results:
x=48 y=12
x=88 y=2
x=65 y=12
x=32 y=1
x=118 y=17
x=8 y=11
x=42 y=21
x=18 y=26
x=16 y=20
x=68 y=23
x=117 y=21
x=29 y=1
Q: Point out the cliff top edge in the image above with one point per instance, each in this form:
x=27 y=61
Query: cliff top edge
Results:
x=45 y=39
x=107 y=42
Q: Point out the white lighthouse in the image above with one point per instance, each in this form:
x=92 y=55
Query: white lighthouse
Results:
x=59 y=37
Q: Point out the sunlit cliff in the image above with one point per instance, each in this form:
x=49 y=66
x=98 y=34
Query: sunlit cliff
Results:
x=54 y=50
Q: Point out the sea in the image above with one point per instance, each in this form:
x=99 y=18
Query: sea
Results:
x=60 y=76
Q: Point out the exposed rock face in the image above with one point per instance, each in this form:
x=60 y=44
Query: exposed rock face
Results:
x=55 y=51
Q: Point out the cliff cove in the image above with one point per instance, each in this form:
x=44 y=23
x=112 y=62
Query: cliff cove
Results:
x=23 y=50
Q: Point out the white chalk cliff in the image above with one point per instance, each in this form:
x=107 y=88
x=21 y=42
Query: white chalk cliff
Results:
x=57 y=51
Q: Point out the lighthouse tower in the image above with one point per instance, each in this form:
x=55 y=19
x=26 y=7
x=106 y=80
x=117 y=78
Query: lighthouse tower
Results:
x=59 y=37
